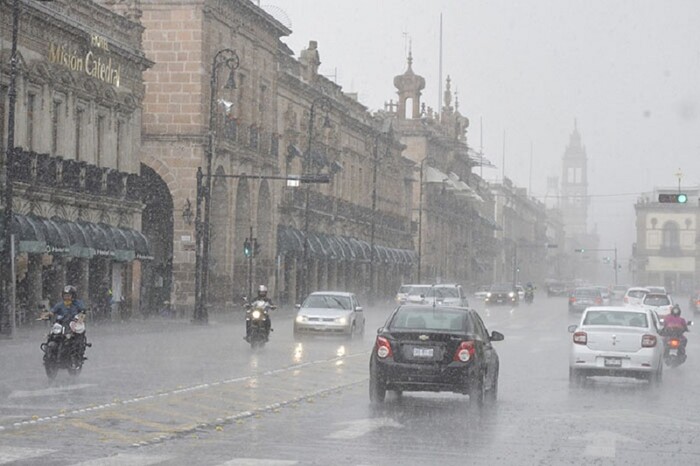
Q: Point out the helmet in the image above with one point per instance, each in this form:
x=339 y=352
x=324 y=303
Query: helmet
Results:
x=676 y=310
x=70 y=290
x=262 y=290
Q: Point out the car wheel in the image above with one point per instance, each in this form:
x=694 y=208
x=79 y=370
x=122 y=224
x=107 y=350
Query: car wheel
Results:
x=576 y=378
x=476 y=392
x=492 y=392
x=377 y=389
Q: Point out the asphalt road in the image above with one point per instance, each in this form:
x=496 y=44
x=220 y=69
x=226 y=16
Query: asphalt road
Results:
x=168 y=392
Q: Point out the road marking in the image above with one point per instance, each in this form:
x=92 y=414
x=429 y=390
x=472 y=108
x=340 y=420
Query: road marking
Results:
x=362 y=427
x=602 y=444
x=49 y=391
x=258 y=462
x=10 y=454
x=126 y=460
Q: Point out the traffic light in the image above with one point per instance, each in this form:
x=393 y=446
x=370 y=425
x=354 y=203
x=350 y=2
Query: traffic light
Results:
x=256 y=247
x=247 y=248
x=579 y=250
x=678 y=198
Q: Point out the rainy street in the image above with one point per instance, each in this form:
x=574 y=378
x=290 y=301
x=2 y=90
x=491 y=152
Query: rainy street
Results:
x=167 y=392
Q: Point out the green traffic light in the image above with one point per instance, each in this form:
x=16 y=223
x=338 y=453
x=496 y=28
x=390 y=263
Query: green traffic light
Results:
x=682 y=199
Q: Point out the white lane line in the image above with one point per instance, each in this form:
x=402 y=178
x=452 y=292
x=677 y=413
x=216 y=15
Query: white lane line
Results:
x=49 y=391
x=258 y=462
x=125 y=460
x=360 y=427
x=10 y=454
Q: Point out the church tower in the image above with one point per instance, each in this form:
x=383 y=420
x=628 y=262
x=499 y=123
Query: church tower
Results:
x=409 y=86
x=574 y=187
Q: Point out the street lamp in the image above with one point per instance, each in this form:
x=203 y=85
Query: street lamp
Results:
x=6 y=274
x=229 y=59
x=389 y=136
x=324 y=105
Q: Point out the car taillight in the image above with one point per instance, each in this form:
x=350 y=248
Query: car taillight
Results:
x=627 y=300
x=383 y=348
x=697 y=303
x=572 y=300
x=648 y=341
x=464 y=352
x=580 y=338
x=599 y=301
x=674 y=343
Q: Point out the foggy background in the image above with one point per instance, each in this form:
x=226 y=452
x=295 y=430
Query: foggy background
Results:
x=628 y=71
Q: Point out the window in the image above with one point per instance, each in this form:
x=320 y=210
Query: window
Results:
x=119 y=143
x=671 y=236
x=100 y=140
x=79 y=120
x=55 y=125
x=3 y=94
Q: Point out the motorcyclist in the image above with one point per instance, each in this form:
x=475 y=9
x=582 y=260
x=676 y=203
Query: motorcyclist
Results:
x=68 y=309
x=529 y=291
x=675 y=325
x=261 y=296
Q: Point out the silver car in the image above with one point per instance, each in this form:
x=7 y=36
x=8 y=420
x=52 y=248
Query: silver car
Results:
x=616 y=341
x=329 y=313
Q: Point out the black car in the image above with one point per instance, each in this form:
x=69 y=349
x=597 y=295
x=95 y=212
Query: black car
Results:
x=584 y=297
x=426 y=348
x=502 y=293
x=557 y=288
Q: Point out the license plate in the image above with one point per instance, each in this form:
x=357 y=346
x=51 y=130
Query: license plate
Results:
x=673 y=352
x=613 y=362
x=423 y=352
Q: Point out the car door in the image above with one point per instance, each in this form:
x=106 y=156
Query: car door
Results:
x=490 y=356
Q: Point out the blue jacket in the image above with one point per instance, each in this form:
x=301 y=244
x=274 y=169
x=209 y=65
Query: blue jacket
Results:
x=61 y=311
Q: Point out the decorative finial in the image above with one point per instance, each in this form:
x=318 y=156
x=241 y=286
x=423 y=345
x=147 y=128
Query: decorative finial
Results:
x=456 y=100
x=410 y=54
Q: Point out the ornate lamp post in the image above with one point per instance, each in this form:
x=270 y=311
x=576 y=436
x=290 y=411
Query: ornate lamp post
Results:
x=324 y=105
x=225 y=58
x=6 y=275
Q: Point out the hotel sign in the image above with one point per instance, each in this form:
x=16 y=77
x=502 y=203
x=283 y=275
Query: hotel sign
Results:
x=96 y=62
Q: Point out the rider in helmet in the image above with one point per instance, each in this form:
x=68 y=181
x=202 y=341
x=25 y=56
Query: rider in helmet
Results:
x=70 y=307
x=261 y=296
x=674 y=324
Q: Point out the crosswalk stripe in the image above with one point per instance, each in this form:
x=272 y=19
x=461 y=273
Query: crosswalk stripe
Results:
x=126 y=460
x=10 y=454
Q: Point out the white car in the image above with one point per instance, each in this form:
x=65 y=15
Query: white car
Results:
x=658 y=302
x=330 y=313
x=634 y=296
x=656 y=289
x=446 y=295
x=616 y=341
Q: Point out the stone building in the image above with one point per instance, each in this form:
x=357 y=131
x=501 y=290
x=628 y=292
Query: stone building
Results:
x=666 y=252
x=453 y=235
x=263 y=132
x=76 y=159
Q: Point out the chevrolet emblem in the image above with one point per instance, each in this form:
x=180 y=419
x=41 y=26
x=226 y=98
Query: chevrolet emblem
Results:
x=423 y=337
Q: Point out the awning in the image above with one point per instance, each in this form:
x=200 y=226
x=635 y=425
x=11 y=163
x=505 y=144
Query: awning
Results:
x=123 y=243
x=141 y=244
x=101 y=239
x=57 y=240
x=80 y=242
x=290 y=241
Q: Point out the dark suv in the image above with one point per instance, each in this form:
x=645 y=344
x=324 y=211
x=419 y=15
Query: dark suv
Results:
x=502 y=293
x=584 y=297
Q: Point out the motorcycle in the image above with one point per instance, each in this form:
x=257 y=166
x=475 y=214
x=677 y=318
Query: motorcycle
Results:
x=529 y=296
x=674 y=350
x=65 y=346
x=258 y=323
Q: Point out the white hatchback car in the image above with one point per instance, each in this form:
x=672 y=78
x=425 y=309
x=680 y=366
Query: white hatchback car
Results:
x=330 y=313
x=658 y=302
x=616 y=341
x=634 y=296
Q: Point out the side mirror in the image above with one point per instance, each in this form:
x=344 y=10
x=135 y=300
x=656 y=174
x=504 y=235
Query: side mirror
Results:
x=690 y=322
x=380 y=330
x=496 y=336
x=358 y=309
x=572 y=328
x=297 y=306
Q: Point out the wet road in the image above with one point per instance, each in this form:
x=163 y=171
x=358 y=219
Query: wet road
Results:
x=165 y=392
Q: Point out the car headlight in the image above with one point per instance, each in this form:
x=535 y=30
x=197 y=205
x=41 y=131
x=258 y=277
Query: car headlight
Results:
x=511 y=294
x=301 y=318
x=342 y=320
x=488 y=295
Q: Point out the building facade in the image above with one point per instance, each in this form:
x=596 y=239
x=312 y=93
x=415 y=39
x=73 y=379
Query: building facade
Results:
x=75 y=164
x=666 y=251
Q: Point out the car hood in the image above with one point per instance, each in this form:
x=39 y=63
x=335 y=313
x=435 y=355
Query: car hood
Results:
x=323 y=312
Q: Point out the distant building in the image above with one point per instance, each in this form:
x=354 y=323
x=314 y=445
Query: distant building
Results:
x=666 y=252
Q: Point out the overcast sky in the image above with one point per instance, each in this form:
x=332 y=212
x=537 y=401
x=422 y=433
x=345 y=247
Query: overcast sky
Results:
x=627 y=70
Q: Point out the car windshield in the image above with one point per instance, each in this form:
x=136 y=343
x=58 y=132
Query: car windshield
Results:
x=326 y=301
x=418 y=290
x=429 y=318
x=636 y=293
x=657 y=300
x=616 y=318
x=442 y=292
